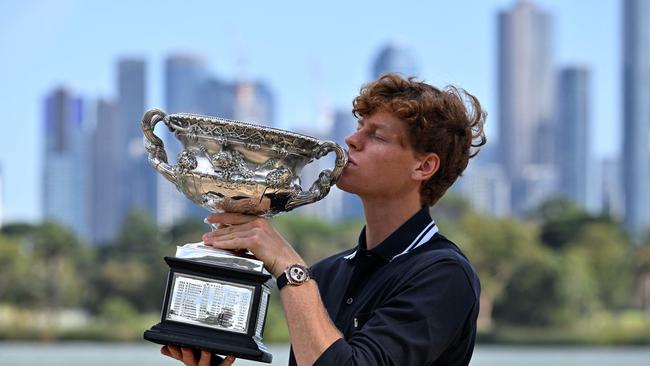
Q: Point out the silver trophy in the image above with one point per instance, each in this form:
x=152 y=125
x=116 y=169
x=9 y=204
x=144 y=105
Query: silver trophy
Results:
x=215 y=299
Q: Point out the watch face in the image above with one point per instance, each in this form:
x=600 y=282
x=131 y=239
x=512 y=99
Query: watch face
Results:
x=298 y=274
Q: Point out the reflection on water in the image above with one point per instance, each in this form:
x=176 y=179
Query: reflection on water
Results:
x=146 y=354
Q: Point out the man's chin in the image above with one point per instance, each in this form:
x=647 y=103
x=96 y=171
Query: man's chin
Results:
x=344 y=187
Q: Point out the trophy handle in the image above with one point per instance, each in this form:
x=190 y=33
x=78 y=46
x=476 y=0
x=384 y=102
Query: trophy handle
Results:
x=154 y=145
x=321 y=187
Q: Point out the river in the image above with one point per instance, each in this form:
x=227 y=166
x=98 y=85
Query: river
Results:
x=145 y=354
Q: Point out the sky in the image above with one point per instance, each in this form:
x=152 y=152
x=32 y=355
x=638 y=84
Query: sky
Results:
x=313 y=55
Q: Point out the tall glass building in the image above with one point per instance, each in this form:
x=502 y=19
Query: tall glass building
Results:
x=254 y=102
x=64 y=188
x=573 y=136
x=636 y=115
x=106 y=183
x=138 y=179
x=395 y=57
x=526 y=91
x=185 y=75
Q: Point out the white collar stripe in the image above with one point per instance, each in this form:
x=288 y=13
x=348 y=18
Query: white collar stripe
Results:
x=427 y=237
x=418 y=238
x=423 y=237
x=426 y=234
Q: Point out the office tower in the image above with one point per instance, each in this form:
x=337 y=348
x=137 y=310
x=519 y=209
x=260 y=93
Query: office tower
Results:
x=138 y=179
x=64 y=177
x=395 y=57
x=526 y=91
x=253 y=103
x=217 y=98
x=486 y=188
x=636 y=115
x=573 y=135
x=184 y=77
x=105 y=210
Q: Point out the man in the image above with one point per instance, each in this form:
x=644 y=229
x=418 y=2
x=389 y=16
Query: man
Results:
x=405 y=295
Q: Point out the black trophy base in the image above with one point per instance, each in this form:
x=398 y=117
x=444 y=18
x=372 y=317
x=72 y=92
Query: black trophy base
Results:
x=182 y=332
x=238 y=345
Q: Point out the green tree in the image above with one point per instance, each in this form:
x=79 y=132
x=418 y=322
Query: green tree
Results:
x=138 y=251
x=642 y=276
x=15 y=273
x=532 y=296
x=188 y=230
x=561 y=221
x=609 y=256
x=315 y=239
x=59 y=260
x=497 y=248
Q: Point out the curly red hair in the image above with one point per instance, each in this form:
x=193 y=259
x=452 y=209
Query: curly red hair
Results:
x=447 y=122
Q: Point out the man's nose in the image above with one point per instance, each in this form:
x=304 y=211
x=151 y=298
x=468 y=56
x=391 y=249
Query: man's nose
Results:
x=353 y=141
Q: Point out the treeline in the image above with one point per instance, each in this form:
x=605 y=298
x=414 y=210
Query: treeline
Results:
x=560 y=275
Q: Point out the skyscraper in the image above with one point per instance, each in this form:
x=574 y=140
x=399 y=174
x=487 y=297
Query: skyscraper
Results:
x=395 y=57
x=636 y=115
x=486 y=188
x=64 y=185
x=184 y=78
x=138 y=179
x=218 y=98
x=105 y=211
x=184 y=75
x=573 y=136
x=526 y=90
x=253 y=103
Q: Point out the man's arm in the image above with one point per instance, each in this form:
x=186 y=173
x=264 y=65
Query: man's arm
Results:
x=310 y=328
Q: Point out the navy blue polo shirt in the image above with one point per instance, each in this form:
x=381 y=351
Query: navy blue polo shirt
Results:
x=412 y=300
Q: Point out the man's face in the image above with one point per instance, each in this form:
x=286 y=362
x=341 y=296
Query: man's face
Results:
x=381 y=161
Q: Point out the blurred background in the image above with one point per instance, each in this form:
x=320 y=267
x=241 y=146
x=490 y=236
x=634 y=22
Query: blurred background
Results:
x=554 y=212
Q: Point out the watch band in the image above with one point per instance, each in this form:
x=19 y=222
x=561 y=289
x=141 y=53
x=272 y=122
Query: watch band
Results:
x=281 y=281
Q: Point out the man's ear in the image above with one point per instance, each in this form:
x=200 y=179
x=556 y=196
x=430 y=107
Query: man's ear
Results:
x=428 y=166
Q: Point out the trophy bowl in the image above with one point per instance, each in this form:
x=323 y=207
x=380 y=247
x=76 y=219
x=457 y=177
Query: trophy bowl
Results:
x=217 y=300
x=234 y=166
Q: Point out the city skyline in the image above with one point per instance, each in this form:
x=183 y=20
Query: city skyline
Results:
x=320 y=82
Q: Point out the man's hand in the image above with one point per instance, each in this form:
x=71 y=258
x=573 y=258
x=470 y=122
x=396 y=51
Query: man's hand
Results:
x=187 y=356
x=239 y=232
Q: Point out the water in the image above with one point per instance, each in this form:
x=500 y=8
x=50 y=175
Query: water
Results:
x=145 y=354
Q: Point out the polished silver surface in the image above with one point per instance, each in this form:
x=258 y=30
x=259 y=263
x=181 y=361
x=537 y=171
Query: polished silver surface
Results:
x=234 y=166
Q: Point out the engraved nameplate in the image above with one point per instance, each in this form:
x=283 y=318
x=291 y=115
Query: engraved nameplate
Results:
x=210 y=303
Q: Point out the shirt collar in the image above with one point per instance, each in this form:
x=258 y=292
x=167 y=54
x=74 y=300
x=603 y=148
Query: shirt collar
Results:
x=416 y=231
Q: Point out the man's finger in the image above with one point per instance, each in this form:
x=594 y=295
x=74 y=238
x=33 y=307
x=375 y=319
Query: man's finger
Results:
x=206 y=356
x=165 y=351
x=171 y=351
x=229 y=242
x=230 y=218
x=188 y=356
x=228 y=361
x=239 y=229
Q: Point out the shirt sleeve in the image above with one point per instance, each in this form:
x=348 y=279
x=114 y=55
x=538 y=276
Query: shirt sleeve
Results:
x=415 y=326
